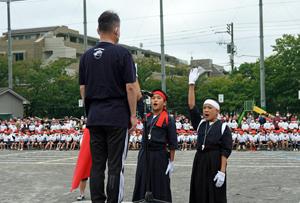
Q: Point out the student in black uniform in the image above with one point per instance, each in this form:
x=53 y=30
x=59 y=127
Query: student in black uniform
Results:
x=161 y=131
x=208 y=182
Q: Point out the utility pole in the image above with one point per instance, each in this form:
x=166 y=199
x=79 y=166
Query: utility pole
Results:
x=84 y=25
x=162 y=60
x=230 y=47
x=10 y=84
x=262 y=62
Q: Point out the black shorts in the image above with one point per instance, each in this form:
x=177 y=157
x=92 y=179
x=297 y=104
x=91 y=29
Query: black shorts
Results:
x=85 y=179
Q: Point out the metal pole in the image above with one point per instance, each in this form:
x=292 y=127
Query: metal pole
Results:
x=262 y=63
x=10 y=84
x=163 y=74
x=232 y=48
x=85 y=25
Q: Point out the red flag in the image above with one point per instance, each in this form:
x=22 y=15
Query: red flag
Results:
x=84 y=161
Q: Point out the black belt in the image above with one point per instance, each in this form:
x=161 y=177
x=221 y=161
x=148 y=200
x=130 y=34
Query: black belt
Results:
x=209 y=148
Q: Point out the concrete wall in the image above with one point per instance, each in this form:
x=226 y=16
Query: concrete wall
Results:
x=9 y=104
x=32 y=48
x=58 y=49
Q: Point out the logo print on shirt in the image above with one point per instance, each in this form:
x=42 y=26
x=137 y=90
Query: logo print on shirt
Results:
x=98 y=53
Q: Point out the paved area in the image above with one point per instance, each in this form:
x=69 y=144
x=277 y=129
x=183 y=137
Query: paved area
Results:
x=46 y=176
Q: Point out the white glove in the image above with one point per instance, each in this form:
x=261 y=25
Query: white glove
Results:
x=220 y=178
x=136 y=70
x=170 y=169
x=194 y=75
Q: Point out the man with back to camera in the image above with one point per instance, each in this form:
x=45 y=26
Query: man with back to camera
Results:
x=106 y=77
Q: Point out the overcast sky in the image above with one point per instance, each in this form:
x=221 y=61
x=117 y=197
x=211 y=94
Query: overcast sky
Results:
x=190 y=26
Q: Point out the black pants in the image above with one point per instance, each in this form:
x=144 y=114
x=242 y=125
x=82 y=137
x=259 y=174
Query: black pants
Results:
x=107 y=144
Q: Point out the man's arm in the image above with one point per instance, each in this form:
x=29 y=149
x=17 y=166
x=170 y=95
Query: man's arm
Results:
x=131 y=96
x=82 y=92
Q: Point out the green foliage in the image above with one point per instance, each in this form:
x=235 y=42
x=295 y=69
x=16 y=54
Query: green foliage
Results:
x=3 y=71
x=52 y=92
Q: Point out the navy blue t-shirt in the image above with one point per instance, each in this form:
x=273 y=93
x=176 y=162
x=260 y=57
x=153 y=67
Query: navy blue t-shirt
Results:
x=104 y=70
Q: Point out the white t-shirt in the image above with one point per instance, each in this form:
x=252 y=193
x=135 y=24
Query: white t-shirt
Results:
x=234 y=124
x=296 y=138
x=284 y=137
x=234 y=136
x=75 y=138
x=31 y=127
x=252 y=125
x=262 y=138
x=3 y=127
x=253 y=138
x=293 y=125
x=63 y=137
x=178 y=125
x=68 y=138
x=186 y=126
x=39 y=138
x=275 y=138
x=242 y=138
x=267 y=126
x=245 y=126
x=138 y=126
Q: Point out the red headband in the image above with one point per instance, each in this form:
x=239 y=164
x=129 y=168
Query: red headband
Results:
x=161 y=94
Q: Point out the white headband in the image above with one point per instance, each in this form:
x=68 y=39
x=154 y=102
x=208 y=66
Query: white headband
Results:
x=213 y=103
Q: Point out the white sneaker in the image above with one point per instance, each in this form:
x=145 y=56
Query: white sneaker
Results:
x=185 y=149
x=21 y=149
x=181 y=149
x=80 y=197
x=258 y=149
x=269 y=149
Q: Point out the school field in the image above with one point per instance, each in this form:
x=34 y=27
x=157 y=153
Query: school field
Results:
x=46 y=176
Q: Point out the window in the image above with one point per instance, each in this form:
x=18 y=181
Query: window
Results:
x=18 y=38
x=147 y=55
x=18 y=56
x=73 y=39
x=30 y=37
x=81 y=41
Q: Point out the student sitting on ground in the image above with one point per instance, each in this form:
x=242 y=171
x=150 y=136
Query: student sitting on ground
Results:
x=285 y=141
x=75 y=141
x=242 y=141
x=296 y=140
x=253 y=140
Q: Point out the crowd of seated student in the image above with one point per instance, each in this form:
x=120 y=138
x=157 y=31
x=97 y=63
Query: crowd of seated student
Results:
x=43 y=140
x=43 y=134
x=270 y=132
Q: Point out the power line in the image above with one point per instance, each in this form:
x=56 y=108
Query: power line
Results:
x=142 y=22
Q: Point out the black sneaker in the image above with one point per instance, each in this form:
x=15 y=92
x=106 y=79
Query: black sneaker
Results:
x=80 y=197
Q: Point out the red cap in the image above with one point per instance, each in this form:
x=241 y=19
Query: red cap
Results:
x=256 y=119
x=241 y=132
x=222 y=118
x=233 y=118
x=268 y=131
x=267 y=119
x=298 y=131
x=227 y=118
x=253 y=132
x=185 y=133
